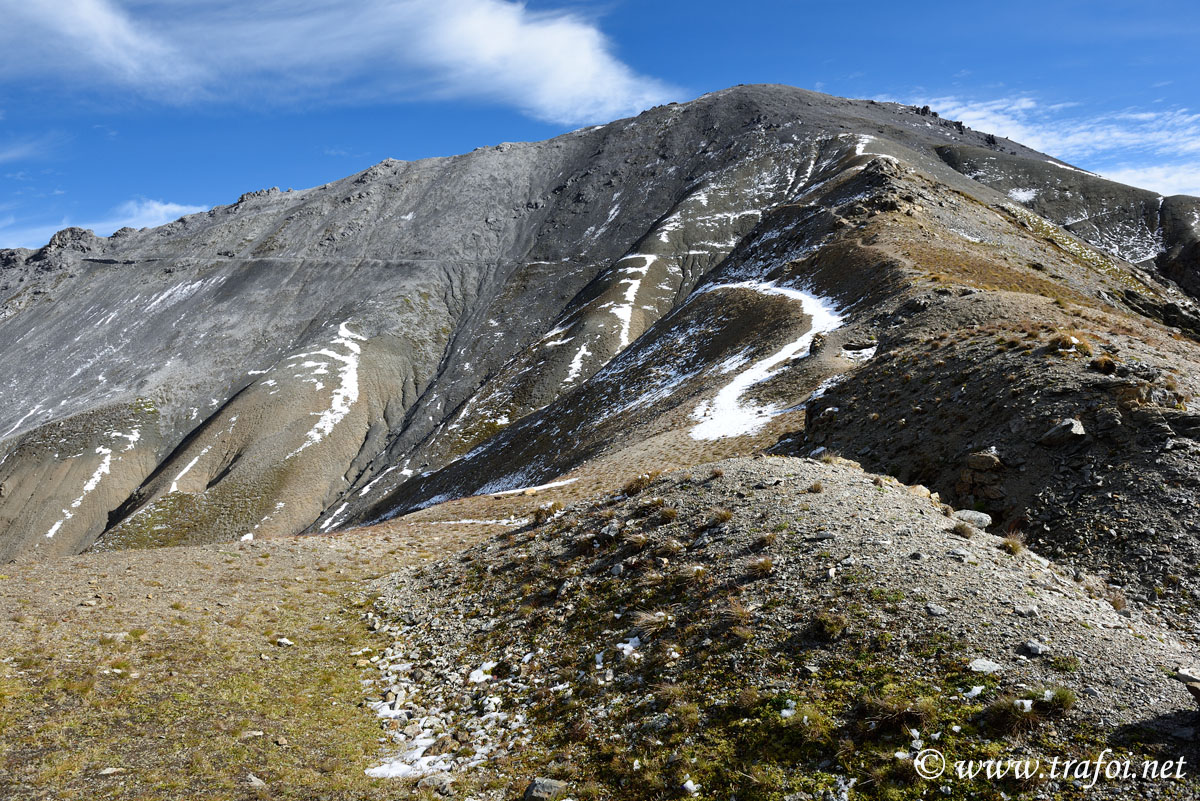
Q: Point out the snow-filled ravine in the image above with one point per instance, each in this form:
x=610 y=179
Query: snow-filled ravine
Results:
x=727 y=414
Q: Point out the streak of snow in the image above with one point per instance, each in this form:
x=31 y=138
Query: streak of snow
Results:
x=346 y=393
x=538 y=488
x=17 y=425
x=725 y=415
x=187 y=468
x=625 y=312
x=104 y=468
x=508 y=521
x=577 y=364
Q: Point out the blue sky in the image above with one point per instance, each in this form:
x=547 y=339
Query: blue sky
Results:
x=132 y=112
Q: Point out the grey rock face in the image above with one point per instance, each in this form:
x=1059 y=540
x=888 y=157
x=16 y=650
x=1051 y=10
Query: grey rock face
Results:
x=300 y=361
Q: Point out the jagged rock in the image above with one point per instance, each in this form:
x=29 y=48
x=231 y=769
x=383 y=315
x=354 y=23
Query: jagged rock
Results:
x=1065 y=433
x=545 y=790
x=1035 y=648
x=984 y=460
x=985 y=666
x=441 y=783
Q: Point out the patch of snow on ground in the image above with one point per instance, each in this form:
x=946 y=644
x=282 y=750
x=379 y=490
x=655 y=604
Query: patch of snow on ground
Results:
x=17 y=425
x=102 y=470
x=863 y=355
x=725 y=415
x=538 y=488
x=508 y=521
x=346 y=393
x=577 y=364
x=187 y=468
x=624 y=312
x=1022 y=195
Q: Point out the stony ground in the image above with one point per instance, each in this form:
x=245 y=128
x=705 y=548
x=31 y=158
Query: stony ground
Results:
x=768 y=628
x=761 y=628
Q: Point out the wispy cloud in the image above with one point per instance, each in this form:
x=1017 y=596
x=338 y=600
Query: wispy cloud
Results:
x=136 y=213
x=556 y=66
x=1179 y=179
x=1156 y=149
x=1171 y=132
x=21 y=151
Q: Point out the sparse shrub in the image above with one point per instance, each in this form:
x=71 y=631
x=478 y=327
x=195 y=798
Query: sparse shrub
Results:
x=637 y=540
x=1057 y=700
x=1064 y=663
x=743 y=633
x=716 y=473
x=687 y=715
x=654 y=623
x=638 y=485
x=1062 y=341
x=1116 y=598
x=748 y=698
x=1014 y=543
x=964 y=529
x=816 y=486
x=719 y=516
x=650 y=506
x=889 y=713
x=669 y=693
x=828 y=458
x=668 y=514
x=1103 y=364
x=811 y=723
x=828 y=626
x=766 y=540
x=762 y=567
x=669 y=548
x=736 y=613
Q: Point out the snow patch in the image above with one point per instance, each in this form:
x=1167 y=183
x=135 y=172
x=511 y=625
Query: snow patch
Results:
x=725 y=415
x=345 y=394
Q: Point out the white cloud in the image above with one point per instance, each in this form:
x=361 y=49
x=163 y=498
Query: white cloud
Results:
x=1180 y=179
x=137 y=213
x=555 y=66
x=1023 y=119
x=1154 y=149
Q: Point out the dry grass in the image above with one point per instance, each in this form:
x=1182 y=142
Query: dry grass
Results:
x=192 y=681
x=761 y=567
x=1013 y=544
x=1069 y=340
x=719 y=516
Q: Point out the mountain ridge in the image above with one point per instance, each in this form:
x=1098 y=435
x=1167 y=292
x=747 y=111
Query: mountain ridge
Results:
x=448 y=313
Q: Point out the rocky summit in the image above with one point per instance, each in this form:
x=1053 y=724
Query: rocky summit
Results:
x=956 y=380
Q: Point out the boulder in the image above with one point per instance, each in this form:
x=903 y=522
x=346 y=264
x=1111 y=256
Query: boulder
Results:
x=1065 y=433
x=977 y=519
x=545 y=790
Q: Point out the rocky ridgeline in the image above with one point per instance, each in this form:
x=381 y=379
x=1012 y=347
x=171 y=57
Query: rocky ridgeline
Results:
x=765 y=628
x=306 y=361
